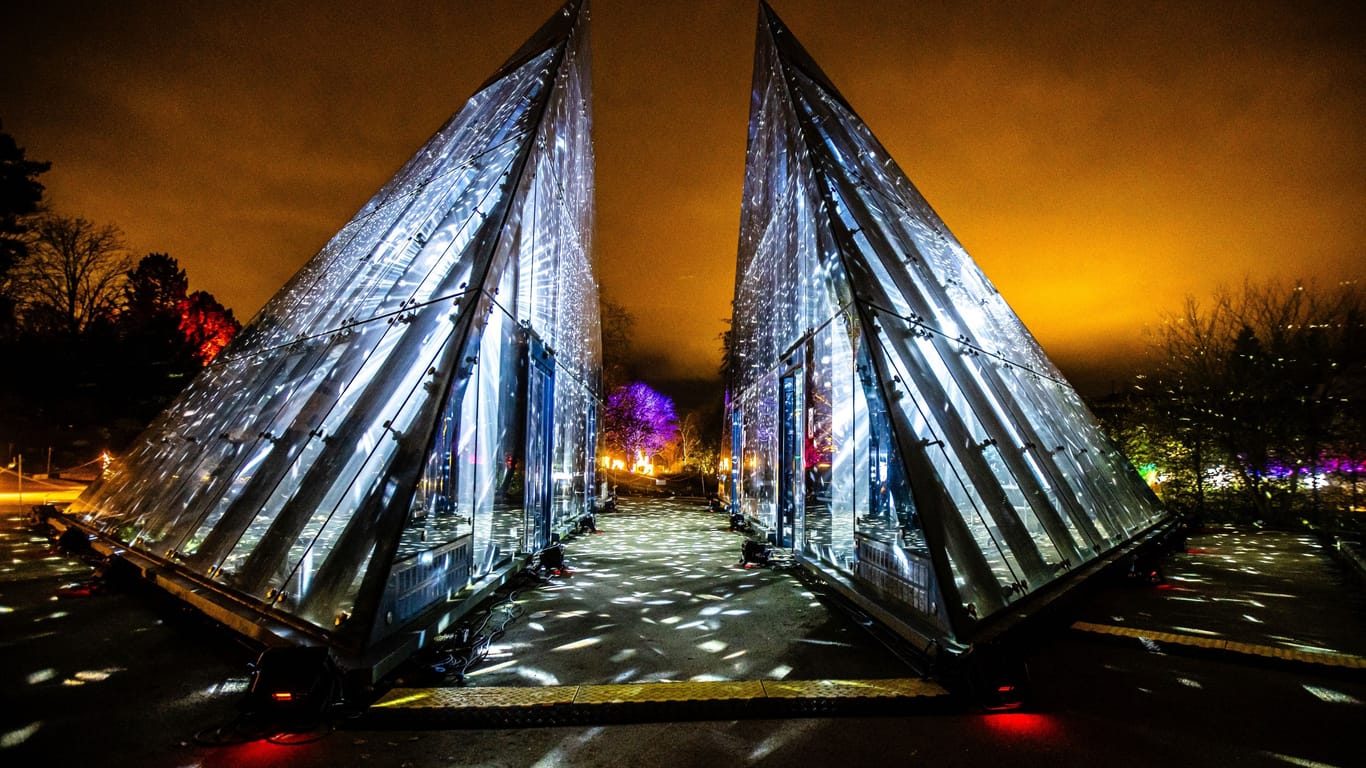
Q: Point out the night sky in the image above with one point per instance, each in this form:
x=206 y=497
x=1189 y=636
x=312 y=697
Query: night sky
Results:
x=1099 y=163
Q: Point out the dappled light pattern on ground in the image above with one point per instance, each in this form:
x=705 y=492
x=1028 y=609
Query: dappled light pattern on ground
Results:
x=1267 y=588
x=659 y=595
x=72 y=646
x=26 y=553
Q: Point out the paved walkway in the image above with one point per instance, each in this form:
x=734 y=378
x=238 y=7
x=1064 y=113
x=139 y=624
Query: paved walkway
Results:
x=658 y=595
x=657 y=619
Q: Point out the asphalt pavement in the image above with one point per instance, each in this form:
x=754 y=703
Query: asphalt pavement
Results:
x=124 y=677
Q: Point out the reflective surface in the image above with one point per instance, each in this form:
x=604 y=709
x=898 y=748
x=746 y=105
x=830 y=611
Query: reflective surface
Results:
x=416 y=404
x=892 y=418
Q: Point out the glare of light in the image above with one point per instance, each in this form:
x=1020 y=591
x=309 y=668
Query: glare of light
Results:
x=96 y=675
x=780 y=671
x=1300 y=761
x=403 y=700
x=765 y=747
x=41 y=676
x=735 y=655
x=1193 y=630
x=1023 y=724
x=1331 y=696
x=227 y=687
x=16 y=737
x=1189 y=683
x=578 y=644
x=713 y=646
x=538 y=676
x=1310 y=648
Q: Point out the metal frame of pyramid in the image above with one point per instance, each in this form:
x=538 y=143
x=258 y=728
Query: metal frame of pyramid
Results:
x=413 y=414
x=892 y=420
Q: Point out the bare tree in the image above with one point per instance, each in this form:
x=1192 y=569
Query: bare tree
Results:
x=617 y=326
x=688 y=439
x=1260 y=393
x=73 y=275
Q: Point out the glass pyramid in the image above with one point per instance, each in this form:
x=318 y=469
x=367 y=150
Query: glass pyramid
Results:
x=417 y=405
x=893 y=421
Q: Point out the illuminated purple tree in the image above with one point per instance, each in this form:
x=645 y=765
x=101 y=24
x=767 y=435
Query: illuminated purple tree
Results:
x=638 y=418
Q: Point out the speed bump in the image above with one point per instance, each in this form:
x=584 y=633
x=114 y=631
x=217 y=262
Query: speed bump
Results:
x=1232 y=647
x=645 y=702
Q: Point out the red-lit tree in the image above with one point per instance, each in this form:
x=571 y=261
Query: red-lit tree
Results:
x=158 y=310
x=638 y=420
x=208 y=325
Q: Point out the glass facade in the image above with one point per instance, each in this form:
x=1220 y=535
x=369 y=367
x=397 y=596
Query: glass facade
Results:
x=417 y=405
x=892 y=419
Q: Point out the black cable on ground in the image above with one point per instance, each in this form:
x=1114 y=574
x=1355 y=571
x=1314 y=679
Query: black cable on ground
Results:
x=467 y=645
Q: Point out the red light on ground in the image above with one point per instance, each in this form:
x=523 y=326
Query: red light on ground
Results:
x=282 y=696
x=261 y=753
x=1023 y=725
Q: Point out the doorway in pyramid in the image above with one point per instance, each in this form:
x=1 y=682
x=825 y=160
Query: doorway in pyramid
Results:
x=891 y=419
x=416 y=409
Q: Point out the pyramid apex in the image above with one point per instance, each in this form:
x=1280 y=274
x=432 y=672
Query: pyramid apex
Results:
x=558 y=29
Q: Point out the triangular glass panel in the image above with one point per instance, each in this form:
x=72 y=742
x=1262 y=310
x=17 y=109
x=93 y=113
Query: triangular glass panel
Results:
x=893 y=421
x=416 y=407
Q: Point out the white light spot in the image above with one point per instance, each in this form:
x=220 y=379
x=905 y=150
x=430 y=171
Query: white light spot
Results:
x=1193 y=630
x=96 y=675
x=578 y=644
x=15 y=738
x=1331 y=696
x=1300 y=761
x=780 y=671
